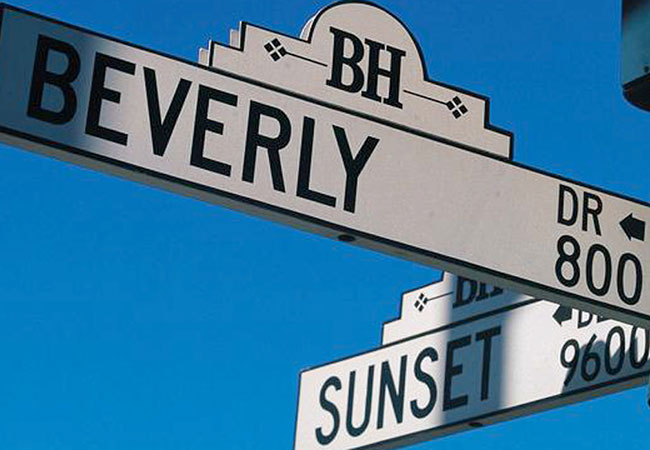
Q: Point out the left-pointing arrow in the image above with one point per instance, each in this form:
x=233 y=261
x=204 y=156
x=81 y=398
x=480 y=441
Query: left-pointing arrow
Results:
x=562 y=314
x=633 y=227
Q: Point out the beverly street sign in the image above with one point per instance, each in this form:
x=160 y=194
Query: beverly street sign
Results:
x=464 y=355
x=338 y=132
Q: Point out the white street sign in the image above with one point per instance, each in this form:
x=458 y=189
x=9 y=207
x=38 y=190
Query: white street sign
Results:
x=464 y=355
x=338 y=132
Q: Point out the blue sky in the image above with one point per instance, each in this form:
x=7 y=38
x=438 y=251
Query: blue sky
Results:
x=135 y=318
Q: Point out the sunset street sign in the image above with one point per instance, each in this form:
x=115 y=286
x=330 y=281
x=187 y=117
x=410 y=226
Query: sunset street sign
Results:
x=461 y=356
x=338 y=132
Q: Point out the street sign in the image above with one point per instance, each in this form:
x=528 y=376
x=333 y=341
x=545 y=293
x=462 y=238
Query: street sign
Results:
x=461 y=356
x=339 y=132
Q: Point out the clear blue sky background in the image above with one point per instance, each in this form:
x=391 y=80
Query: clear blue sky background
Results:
x=132 y=318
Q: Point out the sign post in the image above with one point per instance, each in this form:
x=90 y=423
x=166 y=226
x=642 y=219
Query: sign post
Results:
x=635 y=52
x=464 y=355
x=339 y=132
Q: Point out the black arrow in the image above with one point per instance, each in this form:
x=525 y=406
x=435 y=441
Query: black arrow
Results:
x=562 y=314
x=633 y=227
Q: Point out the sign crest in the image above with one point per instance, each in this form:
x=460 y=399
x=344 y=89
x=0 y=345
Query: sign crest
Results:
x=360 y=57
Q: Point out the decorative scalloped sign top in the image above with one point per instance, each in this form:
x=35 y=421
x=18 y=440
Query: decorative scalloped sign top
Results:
x=360 y=57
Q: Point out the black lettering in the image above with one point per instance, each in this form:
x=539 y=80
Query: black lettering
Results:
x=352 y=430
x=584 y=319
x=461 y=300
x=592 y=211
x=304 y=167
x=572 y=362
x=202 y=124
x=353 y=165
x=484 y=293
x=161 y=129
x=565 y=258
x=273 y=145
x=99 y=92
x=428 y=380
x=339 y=60
x=573 y=216
x=636 y=361
x=324 y=439
x=386 y=382
x=63 y=81
x=452 y=370
x=634 y=298
x=486 y=336
x=616 y=368
x=607 y=277
x=393 y=74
